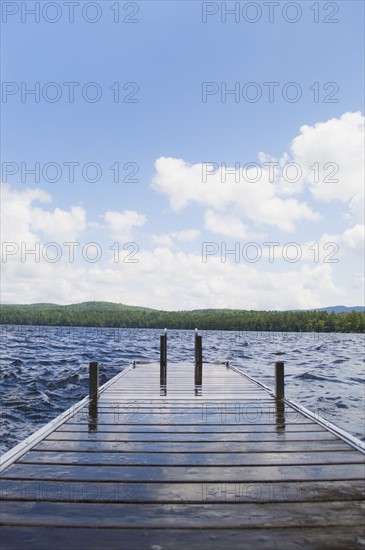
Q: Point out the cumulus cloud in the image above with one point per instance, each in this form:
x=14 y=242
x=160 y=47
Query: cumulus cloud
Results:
x=59 y=225
x=227 y=225
x=24 y=221
x=187 y=281
x=121 y=224
x=255 y=201
x=327 y=158
x=174 y=280
x=186 y=235
x=161 y=278
x=169 y=239
x=164 y=240
x=357 y=208
x=17 y=212
x=354 y=238
x=335 y=151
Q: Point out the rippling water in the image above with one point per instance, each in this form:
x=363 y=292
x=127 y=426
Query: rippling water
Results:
x=44 y=370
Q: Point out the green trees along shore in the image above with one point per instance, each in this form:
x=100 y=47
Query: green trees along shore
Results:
x=106 y=314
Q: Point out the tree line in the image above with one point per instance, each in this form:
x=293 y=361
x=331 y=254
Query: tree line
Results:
x=104 y=314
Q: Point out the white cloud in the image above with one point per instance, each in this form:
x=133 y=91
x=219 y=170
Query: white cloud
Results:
x=328 y=157
x=174 y=280
x=121 y=224
x=162 y=278
x=339 y=141
x=169 y=239
x=17 y=212
x=22 y=221
x=357 y=208
x=186 y=235
x=257 y=202
x=59 y=225
x=354 y=238
x=164 y=240
x=229 y=226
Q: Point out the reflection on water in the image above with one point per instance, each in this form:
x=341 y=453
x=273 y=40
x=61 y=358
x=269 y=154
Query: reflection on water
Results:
x=45 y=370
x=93 y=415
x=280 y=416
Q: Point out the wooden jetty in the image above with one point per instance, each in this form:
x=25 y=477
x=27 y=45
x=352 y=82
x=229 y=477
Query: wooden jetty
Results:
x=184 y=456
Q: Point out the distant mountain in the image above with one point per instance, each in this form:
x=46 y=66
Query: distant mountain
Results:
x=115 y=307
x=339 y=309
x=83 y=306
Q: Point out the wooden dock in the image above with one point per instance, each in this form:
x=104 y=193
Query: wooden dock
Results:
x=175 y=457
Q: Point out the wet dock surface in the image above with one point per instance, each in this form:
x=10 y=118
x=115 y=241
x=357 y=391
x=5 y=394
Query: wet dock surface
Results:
x=218 y=464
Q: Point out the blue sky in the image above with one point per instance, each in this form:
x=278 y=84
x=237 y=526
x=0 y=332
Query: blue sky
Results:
x=169 y=133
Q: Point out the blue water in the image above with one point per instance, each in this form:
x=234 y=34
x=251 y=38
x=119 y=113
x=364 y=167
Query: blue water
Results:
x=44 y=370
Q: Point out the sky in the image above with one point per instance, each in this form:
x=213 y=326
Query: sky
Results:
x=183 y=154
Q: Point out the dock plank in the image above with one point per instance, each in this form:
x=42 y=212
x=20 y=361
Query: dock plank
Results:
x=191 y=459
x=74 y=491
x=198 y=516
x=272 y=446
x=128 y=427
x=345 y=537
x=200 y=474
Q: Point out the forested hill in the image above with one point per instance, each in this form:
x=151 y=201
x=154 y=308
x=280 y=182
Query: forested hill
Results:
x=106 y=314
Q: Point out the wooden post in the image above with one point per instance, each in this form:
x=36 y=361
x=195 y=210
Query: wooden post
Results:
x=163 y=350
x=198 y=350
x=279 y=380
x=93 y=380
x=163 y=358
x=198 y=359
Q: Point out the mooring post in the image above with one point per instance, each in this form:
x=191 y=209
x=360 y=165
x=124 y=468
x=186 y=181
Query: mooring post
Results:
x=198 y=359
x=163 y=362
x=279 y=380
x=93 y=380
x=163 y=349
x=198 y=350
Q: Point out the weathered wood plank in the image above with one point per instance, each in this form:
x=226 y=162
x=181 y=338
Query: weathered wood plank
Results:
x=215 y=398
x=69 y=491
x=197 y=446
x=242 y=436
x=191 y=459
x=213 y=407
x=119 y=413
x=128 y=427
x=323 y=538
x=174 y=516
x=157 y=405
x=150 y=405
x=206 y=474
